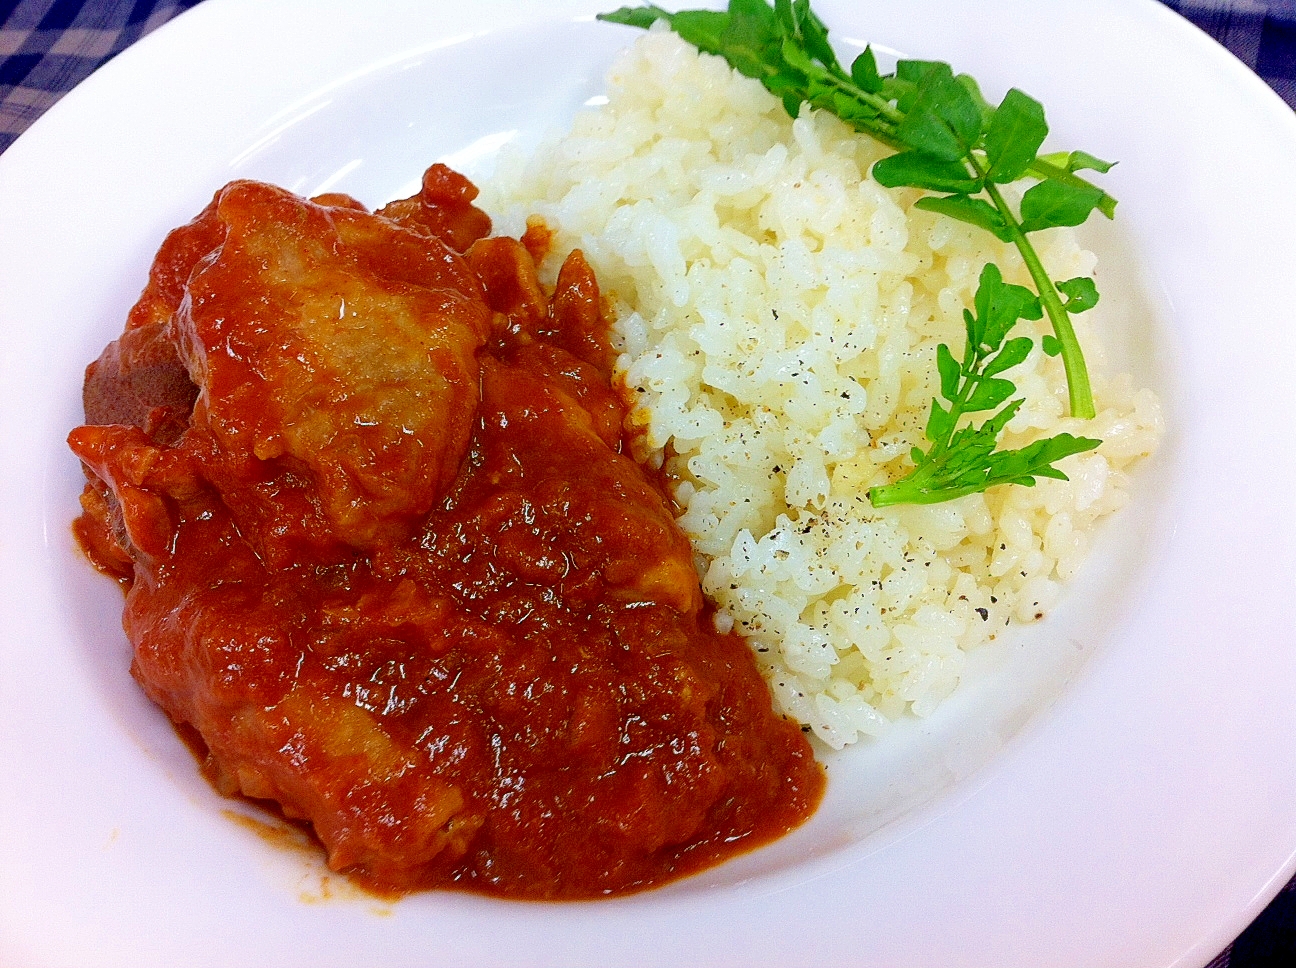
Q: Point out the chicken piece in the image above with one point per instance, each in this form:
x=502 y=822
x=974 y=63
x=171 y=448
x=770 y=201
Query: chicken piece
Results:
x=327 y=760
x=556 y=504
x=442 y=209
x=140 y=380
x=336 y=356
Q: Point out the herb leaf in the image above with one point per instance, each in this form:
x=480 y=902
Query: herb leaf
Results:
x=1014 y=351
x=1081 y=294
x=1014 y=137
x=949 y=370
x=701 y=28
x=999 y=305
x=964 y=460
x=642 y=17
x=864 y=72
x=916 y=169
x=974 y=211
x=1077 y=161
x=943 y=120
x=1051 y=204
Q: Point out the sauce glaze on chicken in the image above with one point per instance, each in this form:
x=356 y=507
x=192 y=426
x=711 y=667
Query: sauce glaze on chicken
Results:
x=385 y=551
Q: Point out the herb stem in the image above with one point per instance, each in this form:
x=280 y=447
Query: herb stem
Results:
x=884 y=107
x=1079 y=392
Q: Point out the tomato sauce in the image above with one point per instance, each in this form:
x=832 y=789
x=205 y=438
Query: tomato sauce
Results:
x=365 y=482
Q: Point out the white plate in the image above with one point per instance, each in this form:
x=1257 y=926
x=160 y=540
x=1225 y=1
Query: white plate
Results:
x=1116 y=787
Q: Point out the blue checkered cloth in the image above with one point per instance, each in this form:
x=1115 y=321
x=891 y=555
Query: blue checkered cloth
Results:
x=47 y=47
x=1261 y=33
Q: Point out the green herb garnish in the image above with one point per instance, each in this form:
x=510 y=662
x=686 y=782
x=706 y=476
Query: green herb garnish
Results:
x=949 y=140
x=964 y=460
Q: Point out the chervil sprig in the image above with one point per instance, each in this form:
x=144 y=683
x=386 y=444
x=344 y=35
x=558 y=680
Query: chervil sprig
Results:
x=948 y=138
x=963 y=460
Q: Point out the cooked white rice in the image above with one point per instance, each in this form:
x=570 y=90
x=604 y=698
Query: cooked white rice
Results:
x=777 y=314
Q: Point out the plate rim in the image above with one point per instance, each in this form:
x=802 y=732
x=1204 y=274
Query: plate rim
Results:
x=161 y=40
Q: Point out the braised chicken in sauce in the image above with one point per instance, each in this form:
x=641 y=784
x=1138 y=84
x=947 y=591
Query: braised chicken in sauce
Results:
x=364 y=480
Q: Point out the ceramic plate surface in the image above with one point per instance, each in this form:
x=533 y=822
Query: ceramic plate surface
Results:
x=1114 y=786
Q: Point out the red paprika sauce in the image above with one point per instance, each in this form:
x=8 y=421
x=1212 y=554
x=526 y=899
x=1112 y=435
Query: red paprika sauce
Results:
x=365 y=483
